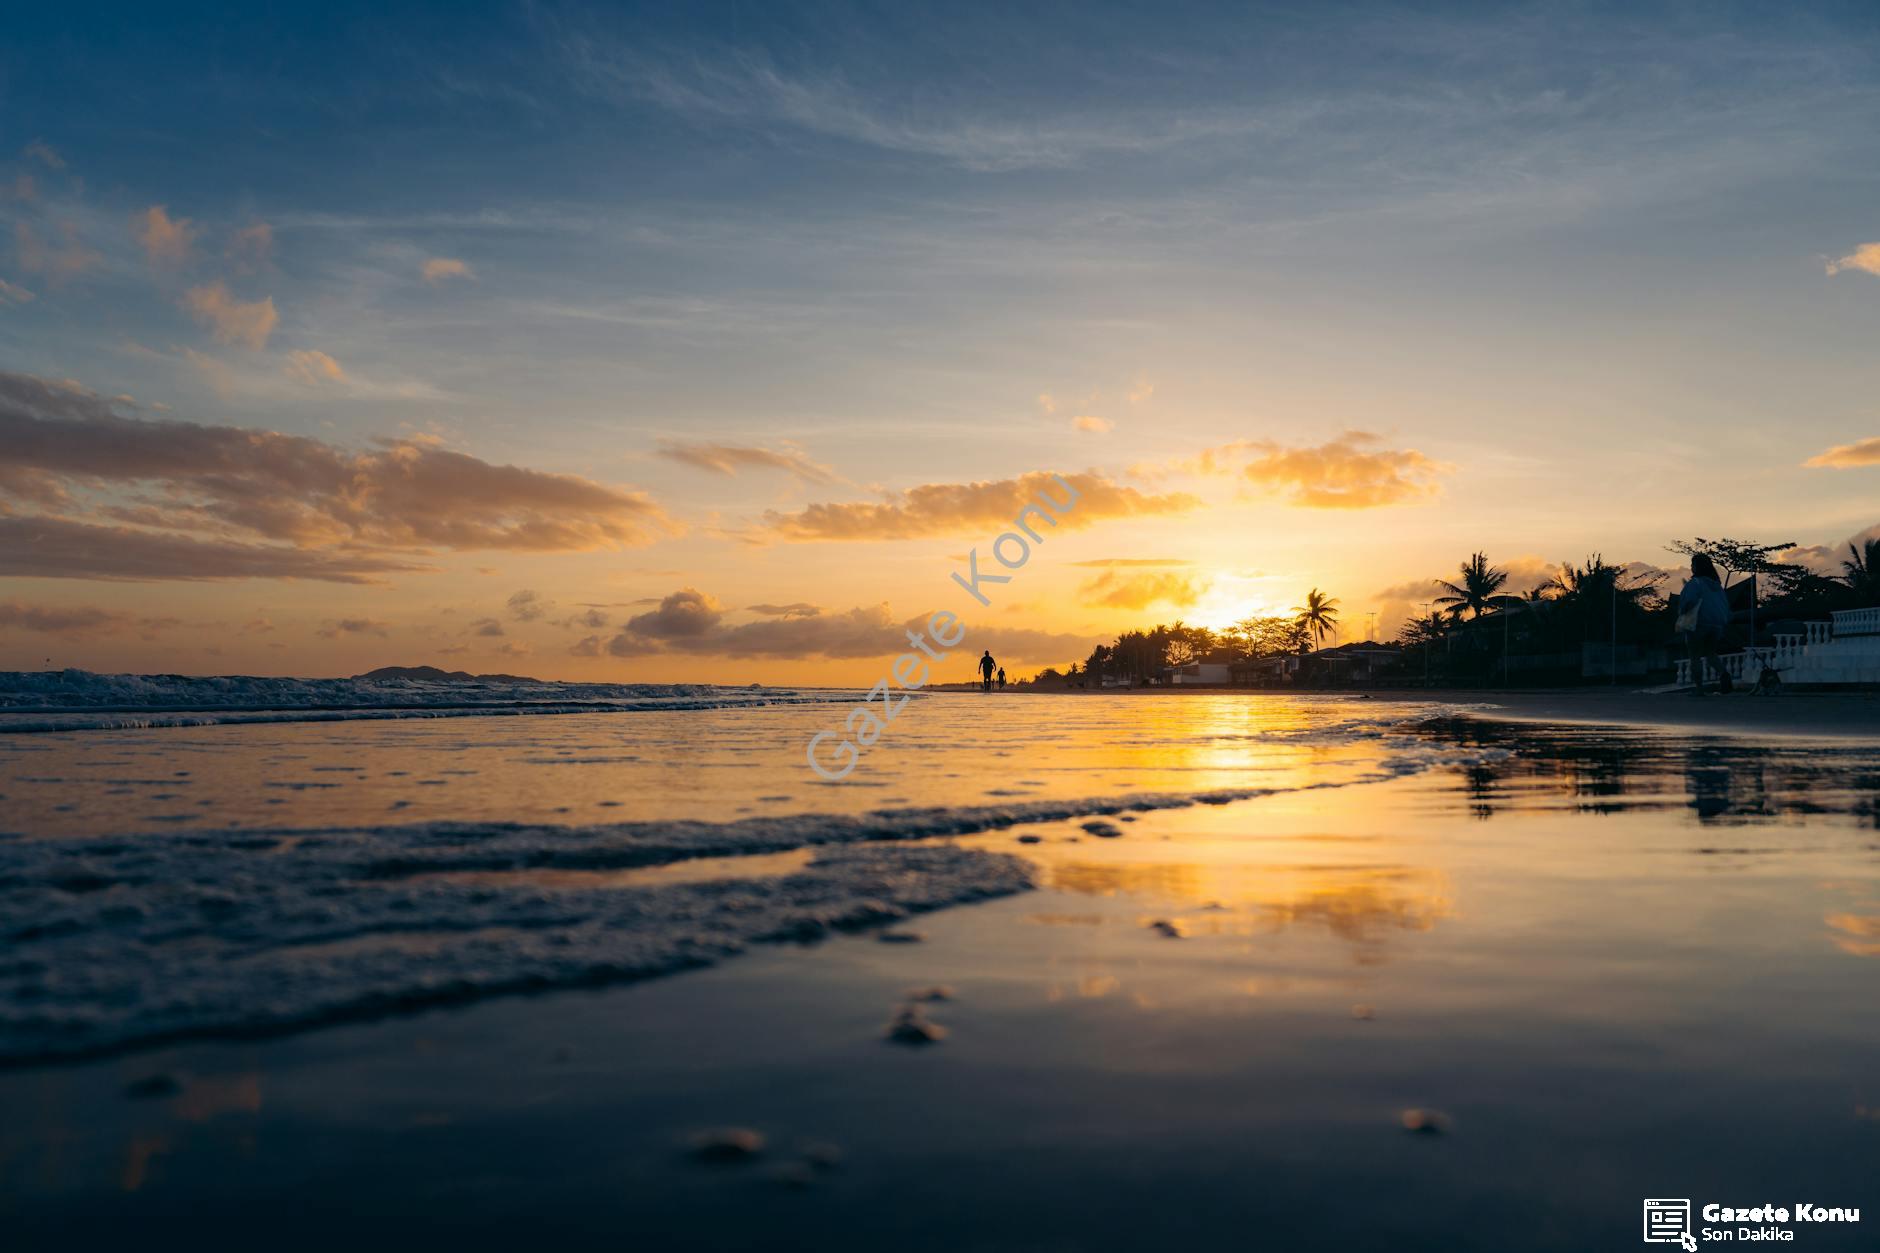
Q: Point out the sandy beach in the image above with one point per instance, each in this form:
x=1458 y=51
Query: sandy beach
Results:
x=1220 y=963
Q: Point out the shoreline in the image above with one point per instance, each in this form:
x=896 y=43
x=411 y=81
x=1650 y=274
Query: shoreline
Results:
x=1814 y=715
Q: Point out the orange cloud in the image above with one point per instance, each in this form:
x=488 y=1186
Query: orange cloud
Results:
x=1349 y=472
x=401 y=494
x=1346 y=473
x=439 y=269
x=1862 y=452
x=57 y=548
x=1092 y=423
x=1138 y=591
x=1865 y=257
x=166 y=241
x=968 y=508
x=232 y=321
x=313 y=367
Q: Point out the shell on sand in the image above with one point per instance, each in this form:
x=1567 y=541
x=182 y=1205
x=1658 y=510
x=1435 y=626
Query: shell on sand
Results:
x=1426 y=1122
x=910 y=1026
x=727 y=1144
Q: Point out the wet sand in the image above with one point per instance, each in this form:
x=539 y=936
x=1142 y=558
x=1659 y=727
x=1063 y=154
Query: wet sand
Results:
x=1825 y=715
x=1832 y=715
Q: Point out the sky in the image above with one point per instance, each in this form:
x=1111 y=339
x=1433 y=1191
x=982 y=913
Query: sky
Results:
x=707 y=342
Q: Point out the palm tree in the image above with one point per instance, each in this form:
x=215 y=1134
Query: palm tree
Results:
x=1861 y=571
x=1425 y=630
x=1480 y=582
x=1318 y=615
x=1596 y=582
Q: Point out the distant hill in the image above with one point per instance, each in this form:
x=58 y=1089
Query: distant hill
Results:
x=431 y=674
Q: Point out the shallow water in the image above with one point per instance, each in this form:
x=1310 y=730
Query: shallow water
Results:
x=1618 y=964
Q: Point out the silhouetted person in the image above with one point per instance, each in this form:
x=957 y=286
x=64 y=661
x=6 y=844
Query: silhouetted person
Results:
x=986 y=666
x=1001 y=678
x=1703 y=613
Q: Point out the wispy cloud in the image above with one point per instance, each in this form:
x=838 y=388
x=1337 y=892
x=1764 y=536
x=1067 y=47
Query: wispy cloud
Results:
x=166 y=241
x=251 y=247
x=728 y=459
x=1111 y=590
x=232 y=321
x=1862 y=452
x=313 y=367
x=60 y=259
x=44 y=153
x=749 y=88
x=441 y=269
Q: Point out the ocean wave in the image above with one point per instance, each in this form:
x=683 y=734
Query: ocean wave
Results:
x=79 y=700
x=112 y=942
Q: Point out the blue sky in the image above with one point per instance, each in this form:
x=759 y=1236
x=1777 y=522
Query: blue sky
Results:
x=1577 y=255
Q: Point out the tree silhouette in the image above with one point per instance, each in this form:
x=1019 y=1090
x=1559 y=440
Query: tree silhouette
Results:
x=1861 y=571
x=1595 y=583
x=1480 y=582
x=1319 y=615
x=1425 y=630
x=1733 y=557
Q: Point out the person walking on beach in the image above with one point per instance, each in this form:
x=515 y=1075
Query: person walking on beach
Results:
x=1703 y=613
x=986 y=666
x=1001 y=678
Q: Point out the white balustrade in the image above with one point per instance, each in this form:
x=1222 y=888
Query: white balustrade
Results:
x=1856 y=622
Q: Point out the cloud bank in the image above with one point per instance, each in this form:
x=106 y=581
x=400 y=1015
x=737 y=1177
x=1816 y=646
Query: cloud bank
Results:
x=90 y=492
x=691 y=622
x=972 y=508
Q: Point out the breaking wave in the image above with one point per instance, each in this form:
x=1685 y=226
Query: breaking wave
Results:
x=79 y=700
x=115 y=942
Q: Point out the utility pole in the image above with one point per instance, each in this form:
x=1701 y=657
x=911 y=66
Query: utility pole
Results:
x=1426 y=642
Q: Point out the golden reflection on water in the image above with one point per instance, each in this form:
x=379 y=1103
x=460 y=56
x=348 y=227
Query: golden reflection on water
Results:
x=1365 y=906
x=1860 y=933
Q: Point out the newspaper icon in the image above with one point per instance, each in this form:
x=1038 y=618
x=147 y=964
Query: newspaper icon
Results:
x=1668 y=1222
